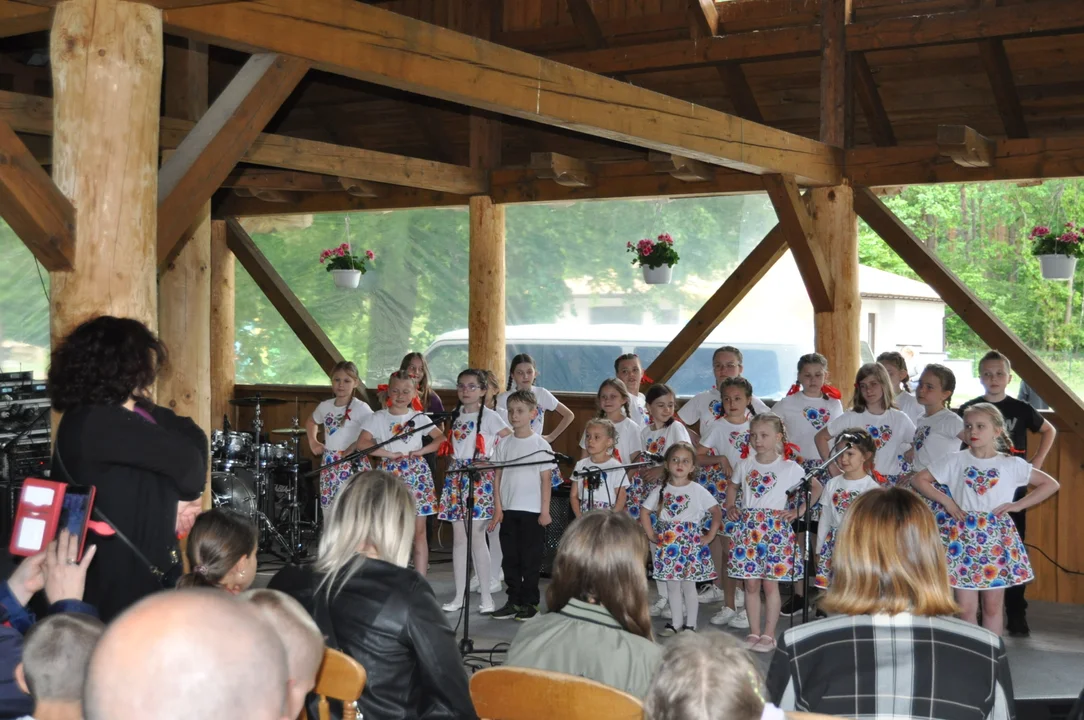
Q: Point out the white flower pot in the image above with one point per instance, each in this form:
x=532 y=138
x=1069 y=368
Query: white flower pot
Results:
x=346 y=279
x=1057 y=267
x=657 y=276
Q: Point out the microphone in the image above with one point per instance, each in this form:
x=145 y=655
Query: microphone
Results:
x=442 y=414
x=561 y=457
x=654 y=457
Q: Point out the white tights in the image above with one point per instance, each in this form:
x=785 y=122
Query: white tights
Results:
x=480 y=554
x=684 y=603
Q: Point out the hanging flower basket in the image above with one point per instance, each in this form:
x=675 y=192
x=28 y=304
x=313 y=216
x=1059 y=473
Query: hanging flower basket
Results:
x=656 y=257
x=1057 y=251
x=345 y=266
x=347 y=279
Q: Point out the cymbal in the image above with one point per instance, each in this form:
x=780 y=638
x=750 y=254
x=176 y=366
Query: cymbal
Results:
x=298 y=432
x=256 y=400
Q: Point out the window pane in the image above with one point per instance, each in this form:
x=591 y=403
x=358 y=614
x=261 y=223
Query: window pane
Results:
x=24 y=308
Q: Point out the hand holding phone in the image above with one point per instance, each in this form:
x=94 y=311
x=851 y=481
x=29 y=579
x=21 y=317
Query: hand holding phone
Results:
x=65 y=575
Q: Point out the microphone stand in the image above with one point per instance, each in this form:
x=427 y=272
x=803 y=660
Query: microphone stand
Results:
x=369 y=450
x=806 y=490
x=592 y=475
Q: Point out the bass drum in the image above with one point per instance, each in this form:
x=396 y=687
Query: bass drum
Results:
x=235 y=490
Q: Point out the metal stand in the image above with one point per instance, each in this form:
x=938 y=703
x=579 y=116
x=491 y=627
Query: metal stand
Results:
x=592 y=475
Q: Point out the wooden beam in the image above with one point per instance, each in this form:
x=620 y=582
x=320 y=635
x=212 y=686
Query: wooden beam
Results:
x=20 y=19
x=736 y=286
x=271 y=196
x=797 y=228
x=741 y=95
x=865 y=89
x=563 y=170
x=703 y=18
x=284 y=300
x=388 y=197
x=835 y=93
x=965 y=146
x=414 y=56
x=970 y=308
x=218 y=141
x=160 y=4
x=33 y=206
x=996 y=64
x=681 y=168
x=583 y=17
x=267 y=179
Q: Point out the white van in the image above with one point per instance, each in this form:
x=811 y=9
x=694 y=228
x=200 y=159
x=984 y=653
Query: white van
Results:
x=576 y=358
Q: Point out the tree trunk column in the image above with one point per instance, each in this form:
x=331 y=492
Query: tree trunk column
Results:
x=107 y=75
x=487 y=295
x=835 y=228
x=223 y=361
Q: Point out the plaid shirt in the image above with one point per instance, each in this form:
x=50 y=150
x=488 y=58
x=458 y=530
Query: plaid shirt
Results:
x=899 y=667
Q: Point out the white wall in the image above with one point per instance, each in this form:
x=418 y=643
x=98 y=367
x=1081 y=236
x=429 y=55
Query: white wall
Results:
x=899 y=323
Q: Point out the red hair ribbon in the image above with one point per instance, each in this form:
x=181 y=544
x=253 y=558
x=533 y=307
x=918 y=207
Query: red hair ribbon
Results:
x=617 y=455
x=346 y=413
x=744 y=451
x=645 y=379
x=382 y=388
x=445 y=449
x=831 y=392
x=480 y=444
x=881 y=479
x=416 y=404
x=794 y=389
x=790 y=450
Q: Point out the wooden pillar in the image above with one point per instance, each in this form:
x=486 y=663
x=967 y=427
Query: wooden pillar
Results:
x=223 y=284
x=107 y=76
x=835 y=226
x=485 y=321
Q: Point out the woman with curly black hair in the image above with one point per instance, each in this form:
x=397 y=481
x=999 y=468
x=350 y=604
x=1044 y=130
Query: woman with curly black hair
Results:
x=148 y=464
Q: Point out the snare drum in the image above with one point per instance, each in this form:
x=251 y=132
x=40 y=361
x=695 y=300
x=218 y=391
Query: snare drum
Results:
x=231 y=447
x=235 y=491
x=270 y=456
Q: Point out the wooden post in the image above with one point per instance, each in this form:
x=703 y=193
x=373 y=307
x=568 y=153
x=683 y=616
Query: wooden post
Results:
x=485 y=321
x=223 y=361
x=184 y=288
x=107 y=79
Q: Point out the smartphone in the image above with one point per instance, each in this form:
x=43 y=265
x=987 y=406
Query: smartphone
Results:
x=46 y=508
x=75 y=513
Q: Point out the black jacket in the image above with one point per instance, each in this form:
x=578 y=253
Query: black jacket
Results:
x=387 y=618
x=141 y=471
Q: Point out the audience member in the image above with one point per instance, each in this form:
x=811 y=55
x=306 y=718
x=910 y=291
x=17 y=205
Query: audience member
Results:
x=597 y=624
x=707 y=678
x=371 y=606
x=895 y=651
x=55 y=656
x=299 y=635
x=187 y=655
x=221 y=551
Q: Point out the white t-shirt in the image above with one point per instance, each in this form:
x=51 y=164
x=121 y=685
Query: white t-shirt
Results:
x=707 y=407
x=891 y=430
x=804 y=416
x=465 y=429
x=629 y=441
x=765 y=487
x=609 y=483
x=688 y=503
x=836 y=499
x=727 y=439
x=382 y=425
x=981 y=484
x=656 y=441
x=638 y=405
x=521 y=487
x=909 y=405
x=340 y=433
x=935 y=437
x=546 y=402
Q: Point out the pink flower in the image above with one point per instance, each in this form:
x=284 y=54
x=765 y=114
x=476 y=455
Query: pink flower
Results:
x=340 y=252
x=322 y=258
x=369 y=254
x=629 y=244
x=1069 y=225
x=665 y=237
x=344 y=247
x=1040 y=230
x=1067 y=238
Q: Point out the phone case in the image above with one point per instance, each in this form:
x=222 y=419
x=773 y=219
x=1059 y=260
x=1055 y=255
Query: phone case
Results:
x=38 y=515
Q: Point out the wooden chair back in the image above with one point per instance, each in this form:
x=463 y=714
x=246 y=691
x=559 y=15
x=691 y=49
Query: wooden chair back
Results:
x=342 y=678
x=505 y=693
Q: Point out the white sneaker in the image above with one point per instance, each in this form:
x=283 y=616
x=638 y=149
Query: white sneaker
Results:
x=740 y=620
x=710 y=594
x=475 y=584
x=666 y=611
x=487 y=608
x=453 y=606
x=724 y=616
x=658 y=606
x=739 y=598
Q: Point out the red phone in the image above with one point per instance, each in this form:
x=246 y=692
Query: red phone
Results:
x=45 y=508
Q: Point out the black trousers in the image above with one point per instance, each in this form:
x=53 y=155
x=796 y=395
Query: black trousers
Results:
x=1015 y=603
x=521 y=541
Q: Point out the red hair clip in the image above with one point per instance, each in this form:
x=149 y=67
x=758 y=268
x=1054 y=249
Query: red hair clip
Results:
x=382 y=388
x=445 y=449
x=881 y=479
x=832 y=392
x=794 y=389
x=645 y=379
x=790 y=450
x=745 y=451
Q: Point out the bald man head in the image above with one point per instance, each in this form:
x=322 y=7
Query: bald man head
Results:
x=184 y=655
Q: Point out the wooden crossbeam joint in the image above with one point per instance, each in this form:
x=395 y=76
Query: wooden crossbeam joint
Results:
x=563 y=170
x=797 y=226
x=583 y=17
x=966 y=146
x=681 y=168
x=703 y=18
x=358 y=188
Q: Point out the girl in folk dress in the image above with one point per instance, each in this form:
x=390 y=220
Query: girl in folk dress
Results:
x=836 y=497
x=615 y=405
x=601 y=438
x=938 y=432
x=343 y=417
x=521 y=376
x=985 y=553
x=706 y=407
x=628 y=370
x=474 y=434
x=663 y=432
x=682 y=556
x=414 y=365
x=406 y=457
x=896 y=365
x=873 y=408
x=762 y=548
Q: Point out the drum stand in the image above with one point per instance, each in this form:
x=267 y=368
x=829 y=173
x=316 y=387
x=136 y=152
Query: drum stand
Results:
x=269 y=534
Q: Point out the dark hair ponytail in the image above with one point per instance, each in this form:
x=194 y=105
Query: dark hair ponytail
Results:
x=220 y=539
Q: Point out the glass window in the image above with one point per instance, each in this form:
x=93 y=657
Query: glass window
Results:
x=24 y=308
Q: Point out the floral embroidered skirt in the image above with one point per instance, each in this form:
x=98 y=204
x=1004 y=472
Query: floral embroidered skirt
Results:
x=333 y=479
x=679 y=554
x=762 y=547
x=454 y=497
x=635 y=494
x=415 y=472
x=939 y=512
x=985 y=553
x=731 y=526
x=824 y=560
x=557 y=479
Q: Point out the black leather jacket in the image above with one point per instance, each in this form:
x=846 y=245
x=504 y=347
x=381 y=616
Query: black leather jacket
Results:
x=387 y=618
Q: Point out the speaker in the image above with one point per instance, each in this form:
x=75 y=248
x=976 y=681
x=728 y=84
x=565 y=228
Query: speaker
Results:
x=561 y=514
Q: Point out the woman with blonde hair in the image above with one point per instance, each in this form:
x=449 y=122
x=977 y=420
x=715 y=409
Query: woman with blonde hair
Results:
x=597 y=624
x=371 y=606
x=894 y=650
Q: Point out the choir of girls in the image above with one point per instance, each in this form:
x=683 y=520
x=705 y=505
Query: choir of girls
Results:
x=716 y=483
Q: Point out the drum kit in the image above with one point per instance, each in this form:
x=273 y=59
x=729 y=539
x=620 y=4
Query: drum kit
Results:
x=261 y=480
